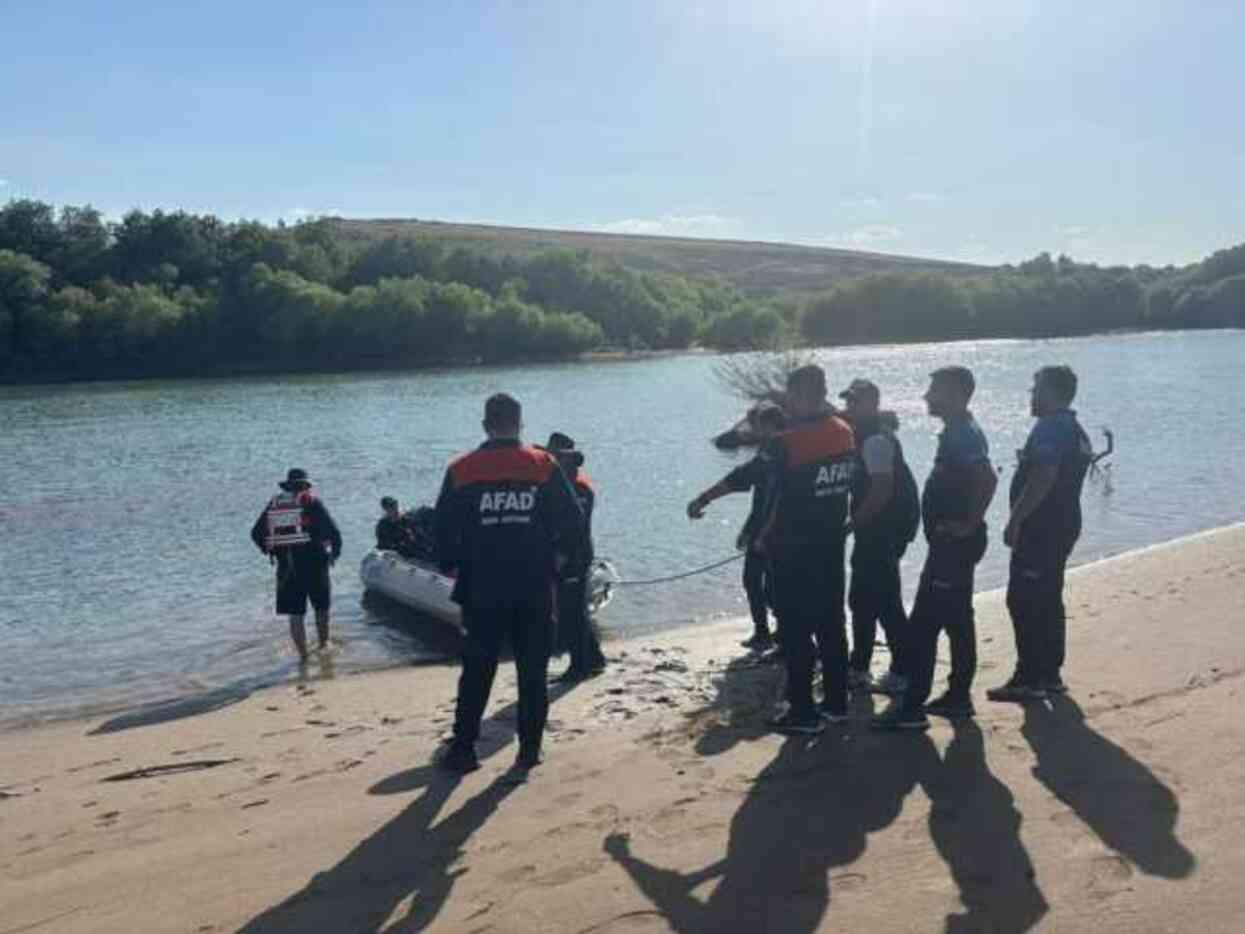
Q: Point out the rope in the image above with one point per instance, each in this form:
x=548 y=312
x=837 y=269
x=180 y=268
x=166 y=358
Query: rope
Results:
x=675 y=577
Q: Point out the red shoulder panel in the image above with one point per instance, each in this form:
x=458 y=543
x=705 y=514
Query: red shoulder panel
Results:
x=502 y=465
x=825 y=438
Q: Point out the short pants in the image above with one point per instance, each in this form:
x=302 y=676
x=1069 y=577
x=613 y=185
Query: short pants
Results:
x=299 y=581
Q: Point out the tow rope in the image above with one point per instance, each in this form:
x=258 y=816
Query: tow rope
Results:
x=680 y=576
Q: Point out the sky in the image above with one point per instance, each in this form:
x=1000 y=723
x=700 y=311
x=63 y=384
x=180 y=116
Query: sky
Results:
x=977 y=130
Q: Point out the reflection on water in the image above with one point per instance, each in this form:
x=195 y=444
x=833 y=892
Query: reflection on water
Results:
x=129 y=576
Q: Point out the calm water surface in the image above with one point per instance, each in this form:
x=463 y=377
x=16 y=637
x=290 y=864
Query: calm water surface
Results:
x=129 y=577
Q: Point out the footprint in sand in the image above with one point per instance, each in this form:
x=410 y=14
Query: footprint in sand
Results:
x=1109 y=875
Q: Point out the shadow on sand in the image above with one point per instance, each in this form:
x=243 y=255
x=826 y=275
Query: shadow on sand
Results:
x=411 y=858
x=809 y=814
x=1116 y=796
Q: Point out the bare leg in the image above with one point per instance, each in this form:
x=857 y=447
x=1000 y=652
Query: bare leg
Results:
x=298 y=633
x=322 y=627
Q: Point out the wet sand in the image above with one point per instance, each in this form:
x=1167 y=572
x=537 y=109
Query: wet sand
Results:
x=664 y=806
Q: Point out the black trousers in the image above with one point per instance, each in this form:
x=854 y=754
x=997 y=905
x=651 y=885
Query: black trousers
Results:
x=575 y=628
x=527 y=622
x=808 y=601
x=876 y=595
x=759 y=586
x=1035 y=601
x=944 y=601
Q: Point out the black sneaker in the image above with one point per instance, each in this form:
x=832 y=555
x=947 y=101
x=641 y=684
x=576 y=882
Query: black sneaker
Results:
x=528 y=758
x=1017 y=692
x=759 y=642
x=795 y=724
x=951 y=707
x=459 y=759
x=897 y=718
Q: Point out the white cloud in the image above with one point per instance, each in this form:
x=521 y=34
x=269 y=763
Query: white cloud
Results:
x=871 y=234
x=862 y=203
x=3 y=182
x=673 y=225
x=1074 y=230
x=925 y=197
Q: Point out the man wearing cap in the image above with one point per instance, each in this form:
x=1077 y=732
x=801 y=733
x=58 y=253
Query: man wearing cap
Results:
x=885 y=515
x=575 y=628
x=392 y=533
x=505 y=518
x=953 y=509
x=767 y=420
x=297 y=533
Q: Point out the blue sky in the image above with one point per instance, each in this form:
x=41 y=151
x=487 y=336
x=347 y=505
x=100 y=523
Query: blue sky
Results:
x=982 y=130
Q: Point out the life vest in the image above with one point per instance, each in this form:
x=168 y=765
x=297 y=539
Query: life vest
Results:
x=820 y=463
x=289 y=524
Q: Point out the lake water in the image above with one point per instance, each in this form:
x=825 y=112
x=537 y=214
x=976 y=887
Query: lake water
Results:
x=129 y=576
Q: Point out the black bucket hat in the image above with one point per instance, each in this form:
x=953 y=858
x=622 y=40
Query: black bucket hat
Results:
x=295 y=478
x=563 y=448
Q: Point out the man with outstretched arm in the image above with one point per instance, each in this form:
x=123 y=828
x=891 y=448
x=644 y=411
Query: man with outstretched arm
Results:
x=768 y=420
x=1044 y=525
x=953 y=508
x=506 y=518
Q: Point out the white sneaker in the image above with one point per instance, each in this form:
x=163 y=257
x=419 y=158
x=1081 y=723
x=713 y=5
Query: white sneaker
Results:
x=890 y=683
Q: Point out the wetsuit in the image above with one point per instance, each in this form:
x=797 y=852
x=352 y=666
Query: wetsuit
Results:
x=1045 y=540
x=876 y=593
x=944 y=598
x=812 y=465
x=504 y=511
x=758 y=581
x=303 y=569
x=573 y=622
x=393 y=535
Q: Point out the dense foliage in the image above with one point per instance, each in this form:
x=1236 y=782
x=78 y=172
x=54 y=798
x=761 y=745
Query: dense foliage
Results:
x=176 y=293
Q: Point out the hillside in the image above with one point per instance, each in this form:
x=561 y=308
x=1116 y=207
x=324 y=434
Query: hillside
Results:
x=755 y=268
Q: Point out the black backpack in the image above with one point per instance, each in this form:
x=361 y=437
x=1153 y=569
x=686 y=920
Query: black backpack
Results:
x=906 y=507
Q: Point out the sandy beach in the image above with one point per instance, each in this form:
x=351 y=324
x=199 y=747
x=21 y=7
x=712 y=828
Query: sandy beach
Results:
x=664 y=805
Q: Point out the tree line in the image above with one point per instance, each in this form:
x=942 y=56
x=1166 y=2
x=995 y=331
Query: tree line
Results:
x=172 y=293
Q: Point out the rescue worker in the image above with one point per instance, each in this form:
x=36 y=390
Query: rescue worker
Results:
x=953 y=508
x=506 y=516
x=393 y=533
x=886 y=514
x=574 y=626
x=1044 y=525
x=767 y=420
x=811 y=469
x=299 y=536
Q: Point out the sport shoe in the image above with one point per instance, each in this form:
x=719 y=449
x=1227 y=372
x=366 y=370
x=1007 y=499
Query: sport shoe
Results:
x=759 y=642
x=833 y=714
x=890 y=683
x=859 y=679
x=795 y=724
x=458 y=759
x=953 y=708
x=1016 y=692
x=897 y=718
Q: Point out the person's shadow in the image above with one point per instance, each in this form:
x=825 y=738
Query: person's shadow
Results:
x=811 y=810
x=975 y=827
x=1119 y=798
x=411 y=857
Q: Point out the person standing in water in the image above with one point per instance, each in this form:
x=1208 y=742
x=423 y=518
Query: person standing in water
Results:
x=297 y=533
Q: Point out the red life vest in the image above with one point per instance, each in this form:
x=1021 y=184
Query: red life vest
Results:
x=289 y=524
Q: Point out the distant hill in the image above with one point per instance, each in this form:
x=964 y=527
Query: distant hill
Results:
x=753 y=267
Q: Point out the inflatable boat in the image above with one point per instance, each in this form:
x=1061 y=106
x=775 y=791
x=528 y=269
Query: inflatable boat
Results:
x=422 y=586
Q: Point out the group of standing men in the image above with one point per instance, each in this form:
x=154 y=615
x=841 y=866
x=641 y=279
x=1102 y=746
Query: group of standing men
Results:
x=822 y=475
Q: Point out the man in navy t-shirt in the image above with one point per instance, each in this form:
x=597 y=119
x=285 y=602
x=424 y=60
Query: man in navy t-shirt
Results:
x=1044 y=525
x=953 y=508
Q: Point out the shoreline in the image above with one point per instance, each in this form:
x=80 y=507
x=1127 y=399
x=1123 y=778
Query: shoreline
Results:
x=226 y=695
x=665 y=805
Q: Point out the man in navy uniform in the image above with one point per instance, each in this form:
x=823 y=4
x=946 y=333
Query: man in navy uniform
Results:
x=506 y=518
